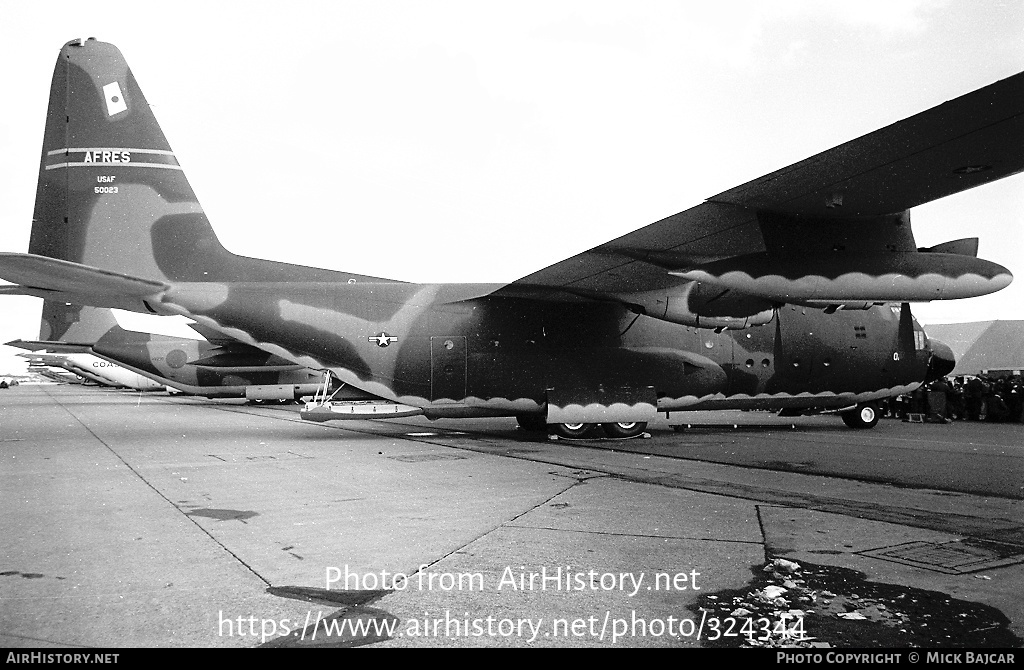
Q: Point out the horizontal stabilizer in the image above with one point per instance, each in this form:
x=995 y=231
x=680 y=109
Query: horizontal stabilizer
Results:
x=14 y=289
x=127 y=303
x=54 y=274
x=51 y=346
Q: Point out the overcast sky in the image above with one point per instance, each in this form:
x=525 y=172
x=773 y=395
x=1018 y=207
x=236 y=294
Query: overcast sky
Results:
x=481 y=141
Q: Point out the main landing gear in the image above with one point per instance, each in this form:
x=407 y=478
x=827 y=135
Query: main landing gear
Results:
x=577 y=431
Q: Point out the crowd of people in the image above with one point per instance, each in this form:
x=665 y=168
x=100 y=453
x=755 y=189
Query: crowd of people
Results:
x=967 y=398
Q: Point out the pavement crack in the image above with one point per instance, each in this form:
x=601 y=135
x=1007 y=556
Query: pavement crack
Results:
x=504 y=524
x=643 y=535
x=760 y=526
x=145 y=481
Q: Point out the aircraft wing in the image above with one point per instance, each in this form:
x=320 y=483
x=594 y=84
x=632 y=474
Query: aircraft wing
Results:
x=968 y=141
x=846 y=207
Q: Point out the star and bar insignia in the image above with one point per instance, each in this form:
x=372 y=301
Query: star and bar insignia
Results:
x=383 y=339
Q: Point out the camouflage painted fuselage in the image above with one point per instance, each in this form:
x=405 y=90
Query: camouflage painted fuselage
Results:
x=458 y=350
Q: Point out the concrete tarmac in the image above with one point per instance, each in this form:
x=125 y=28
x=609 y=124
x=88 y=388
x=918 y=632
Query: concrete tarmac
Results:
x=142 y=520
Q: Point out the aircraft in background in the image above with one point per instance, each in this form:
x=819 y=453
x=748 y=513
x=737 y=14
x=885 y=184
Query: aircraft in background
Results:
x=59 y=375
x=222 y=369
x=790 y=292
x=94 y=369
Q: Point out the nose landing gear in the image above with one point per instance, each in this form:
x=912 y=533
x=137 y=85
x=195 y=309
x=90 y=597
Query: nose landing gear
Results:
x=864 y=415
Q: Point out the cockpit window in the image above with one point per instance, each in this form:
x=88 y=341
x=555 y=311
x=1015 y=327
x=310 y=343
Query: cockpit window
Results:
x=920 y=340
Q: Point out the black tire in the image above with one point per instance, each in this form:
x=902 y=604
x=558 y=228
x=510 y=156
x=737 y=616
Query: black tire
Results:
x=571 y=430
x=624 y=428
x=534 y=423
x=864 y=416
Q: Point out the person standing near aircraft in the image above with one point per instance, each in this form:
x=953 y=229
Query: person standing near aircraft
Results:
x=957 y=409
x=974 y=398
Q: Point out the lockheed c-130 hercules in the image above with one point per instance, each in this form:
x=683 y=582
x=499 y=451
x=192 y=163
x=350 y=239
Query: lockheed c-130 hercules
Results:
x=789 y=292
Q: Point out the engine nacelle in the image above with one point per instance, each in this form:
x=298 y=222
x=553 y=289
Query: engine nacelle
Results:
x=854 y=276
x=701 y=306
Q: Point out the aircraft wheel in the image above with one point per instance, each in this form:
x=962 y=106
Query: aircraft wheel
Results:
x=535 y=423
x=571 y=430
x=624 y=428
x=864 y=416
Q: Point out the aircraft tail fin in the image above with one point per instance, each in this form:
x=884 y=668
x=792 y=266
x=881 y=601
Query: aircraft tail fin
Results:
x=111 y=194
x=68 y=328
x=64 y=322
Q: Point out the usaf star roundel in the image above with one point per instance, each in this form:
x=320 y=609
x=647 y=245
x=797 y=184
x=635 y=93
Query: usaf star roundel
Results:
x=383 y=339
